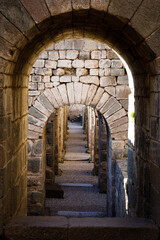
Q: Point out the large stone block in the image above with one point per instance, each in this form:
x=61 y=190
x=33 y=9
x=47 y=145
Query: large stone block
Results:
x=113 y=109
x=59 y=72
x=78 y=63
x=39 y=63
x=53 y=55
x=64 y=63
x=97 y=97
x=57 y=96
x=91 y=63
x=96 y=54
x=70 y=91
x=90 y=45
x=41 y=108
x=55 y=78
x=111 y=91
x=111 y=101
x=104 y=63
x=78 y=92
x=85 y=88
x=35 y=113
x=117 y=71
x=80 y=5
x=91 y=92
x=65 y=78
x=34 y=164
x=46 y=103
x=49 y=95
x=122 y=79
x=102 y=100
x=107 y=81
x=81 y=72
x=120 y=113
x=116 y=64
x=63 y=93
x=90 y=79
x=122 y=92
x=51 y=64
x=37 y=147
x=84 y=54
x=36 y=78
x=72 y=54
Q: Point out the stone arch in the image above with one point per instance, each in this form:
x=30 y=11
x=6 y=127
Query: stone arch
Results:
x=104 y=21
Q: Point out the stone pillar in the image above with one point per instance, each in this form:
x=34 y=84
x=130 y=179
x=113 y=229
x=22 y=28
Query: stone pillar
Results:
x=92 y=135
x=55 y=141
x=96 y=158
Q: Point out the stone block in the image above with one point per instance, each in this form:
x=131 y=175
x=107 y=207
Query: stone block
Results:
x=35 y=121
x=78 y=63
x=36 y=78
x=59 y=72
x=122 y=79
x=32 y=85
x=68 y=43
x=97 y=97
x=38 y=71
x=47 y=71
x=80 y=5
x=46 y=103
x=90 y=79
x=37 y=197
x=34 y=128
x=85 y=88
x=113 y=109
x=107 y=81
x=57 y=96
x=107 y=71
x=94 y=72
x=78 y=44
x=111 y=54
x=75 y=79
x=122 y=128
x=46 y=79
x=124 y=103
x=53 y=55
x=72 y=54
x=81 y=72
x=96 y=55
x=34 y=164
x=41 y=108
x=122 y=92
x=30 y=145
x=62 y=54
x=116 y=64
x=84 y=54
x=104 y=54
x=65 y=78
x=44 y=55
x=39 y=63
x=102 y=100
x=91 y=92
x=37 y=147
x=60 y=45
x=119 y=122
x=48 y=85
x=101 y=72
x=35 y=113
x=118 y=144
x=55 y=78
x=119 y=114
x=104 y=63
x=55 y=84
x=64 y=64
x=111 y=101
x=101 y=46
x=111 y=91
x=117 y=72
x=51 y=64
x=70 y=91
x=154 y=152
x=90 y=45
x=63 y=93
x=77 y=92
x=91 y=63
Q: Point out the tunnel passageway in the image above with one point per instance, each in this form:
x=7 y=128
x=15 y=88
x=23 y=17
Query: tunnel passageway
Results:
x=80 y=186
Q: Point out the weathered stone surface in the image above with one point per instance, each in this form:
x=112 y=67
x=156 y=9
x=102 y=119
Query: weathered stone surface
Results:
x=90 y=79
x=53 y=55
x=72 y=54
x=49 y=94
x=57 y=96
x=46 y=79
x=78 y=63
x=107 y=71
x=119 y=122
x=62 y=54
x=47 y=71
x=122 y=79
x=85 y=88
x=111 y=91
x=97 y=97
x=75 y=79
x=117 y=115
x=91 y=63
x=70 y=91
x=120 y=135
x=58 y=6
x=78 y=44
x=65 y=78
x=107 y=81
x=36 y=78
x=59 y=72
x=94 y=72
x=90 y=45
x=118 y=144
x=41 y=108
x=35 y=113
x=91 y=92
x=50 y=64
x=113 y=109
x=64 y=63
x=81 y=72
x=102 y=101
x=100 y=5
x=39 y=63
x=104 y=63
x=80 y=5
x=68 y=43
x=38 y=71
x=108 y=104
x=34 y=128
x=48 y=85
x=121 y=128
x=78 y=91
x=32 y=86
x=116 y=64
x=55 y=78
x=44 y=55
x=84 y=54
x=63 y=93
x=37 y=147
x=35 y=121
x=46 y=103
x=96 y=54
x=122 y=92
x=117 y=72
x=34 y=164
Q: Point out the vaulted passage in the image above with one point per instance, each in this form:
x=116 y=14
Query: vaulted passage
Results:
x=132 y=29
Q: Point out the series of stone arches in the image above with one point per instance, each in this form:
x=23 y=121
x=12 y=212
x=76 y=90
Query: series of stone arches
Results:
x=132 y=29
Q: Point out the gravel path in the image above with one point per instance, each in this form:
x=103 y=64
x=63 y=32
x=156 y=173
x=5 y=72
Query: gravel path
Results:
x=77 y=198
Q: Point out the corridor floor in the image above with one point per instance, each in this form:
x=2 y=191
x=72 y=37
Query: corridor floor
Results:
x=81 y=196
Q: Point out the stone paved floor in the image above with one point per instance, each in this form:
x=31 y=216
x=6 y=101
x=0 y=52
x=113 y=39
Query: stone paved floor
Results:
x=81 y=198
